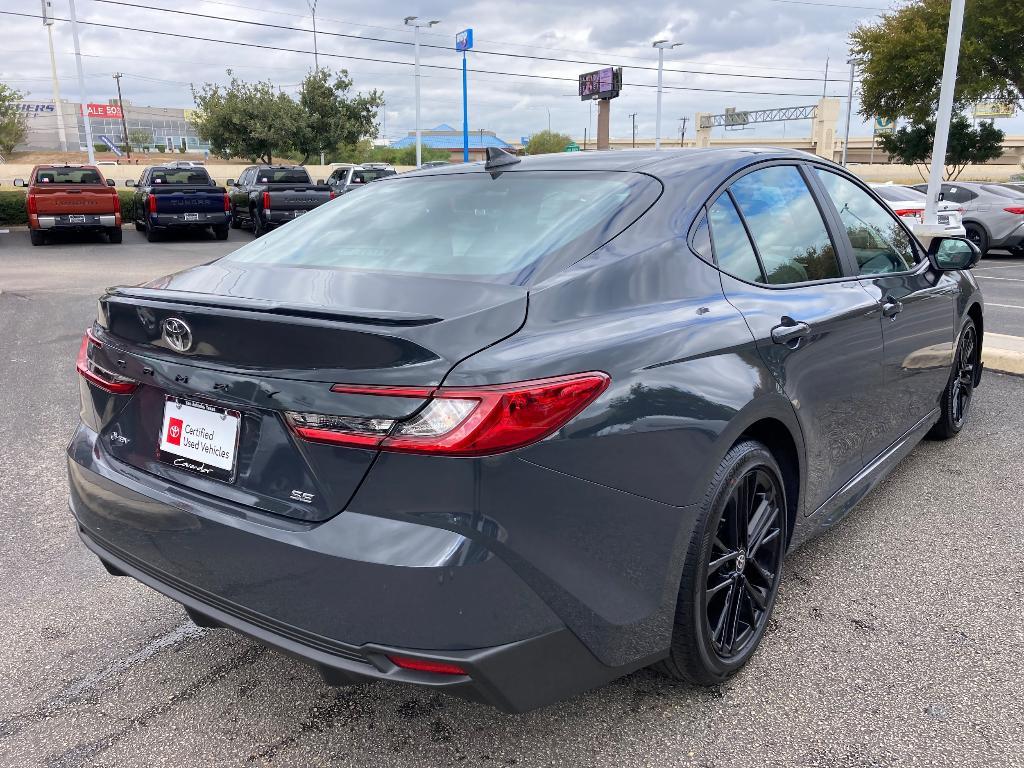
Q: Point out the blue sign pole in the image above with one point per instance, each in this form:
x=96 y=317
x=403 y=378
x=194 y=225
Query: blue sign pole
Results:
x=463 y=42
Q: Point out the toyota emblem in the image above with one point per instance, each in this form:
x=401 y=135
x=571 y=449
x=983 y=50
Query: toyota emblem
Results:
x=177 y=334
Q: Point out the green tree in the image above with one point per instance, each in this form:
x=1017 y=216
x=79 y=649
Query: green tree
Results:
x=250 y=120
x=330 y=117
x=901 y=57
x=139 y=138
x=546 y=142
x=13 y=124
x=967 y=145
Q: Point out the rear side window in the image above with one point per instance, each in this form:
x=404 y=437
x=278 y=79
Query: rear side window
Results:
x=878 y=241
x=463 y=225
x=956 y=194
x=282 y=176
x=733 y=250
x=68 y=176
x=786 y=226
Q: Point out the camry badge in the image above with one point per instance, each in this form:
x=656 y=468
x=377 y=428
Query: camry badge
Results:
x=177 y=334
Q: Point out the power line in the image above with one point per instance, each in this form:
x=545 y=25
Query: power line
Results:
x=477 y=51
x=265 y=47
x=830 y=5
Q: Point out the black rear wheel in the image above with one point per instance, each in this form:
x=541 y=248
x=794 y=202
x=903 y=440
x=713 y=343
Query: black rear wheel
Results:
x=732 y=570
x=235 y=223
x=220 y=231
x=115 y=235
x=978 y=236
x=959 y=391
x=258 y=227
x=37 y=236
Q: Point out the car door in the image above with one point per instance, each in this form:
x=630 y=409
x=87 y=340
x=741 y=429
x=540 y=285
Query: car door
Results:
x=239 y=195
x=815 y=327
x=138 y=208
x=917 y=305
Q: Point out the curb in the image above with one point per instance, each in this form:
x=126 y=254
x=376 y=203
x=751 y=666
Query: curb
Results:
x=1003 y=353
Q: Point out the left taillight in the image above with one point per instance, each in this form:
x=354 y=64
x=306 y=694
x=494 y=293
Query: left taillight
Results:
x=460 y=421
x=227 y=203
x=99 y=376
x=1017 y=209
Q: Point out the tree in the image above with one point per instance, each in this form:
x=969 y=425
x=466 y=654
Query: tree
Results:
x=545 y=142
x=13 y=124
x=406 y=155
x=967 y=145
x=250 y=120
x=330 y=117
x=139 y=138
x=901 y=58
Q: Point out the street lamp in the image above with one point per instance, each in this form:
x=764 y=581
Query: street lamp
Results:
x=849 y=107
x=661 y=45
x=416 y=24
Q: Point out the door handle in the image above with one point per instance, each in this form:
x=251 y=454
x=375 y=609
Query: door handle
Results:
x=891 y=307
x=790 y=332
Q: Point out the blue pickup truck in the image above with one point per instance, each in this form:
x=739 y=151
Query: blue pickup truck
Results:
x=179 y=196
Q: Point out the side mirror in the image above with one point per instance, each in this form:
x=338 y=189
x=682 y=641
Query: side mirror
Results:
x=231 y=182
x=110 y=183
x=20 y=183
x=319 y=181
x=949 y=254
x=129 y=182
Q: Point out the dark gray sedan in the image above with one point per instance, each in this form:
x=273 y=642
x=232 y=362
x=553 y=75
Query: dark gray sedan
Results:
x=512 y=430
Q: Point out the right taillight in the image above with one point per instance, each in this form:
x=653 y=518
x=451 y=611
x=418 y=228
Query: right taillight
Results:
x=266 y=201
x=32 y=205
x=460 y=421
x=1018 y=209
x=99 y=376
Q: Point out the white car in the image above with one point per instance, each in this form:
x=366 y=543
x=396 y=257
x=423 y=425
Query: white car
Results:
x=909 y=203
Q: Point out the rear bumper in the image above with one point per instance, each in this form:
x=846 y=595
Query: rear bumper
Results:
x=175 y=220
x=341 y=594
x=275 y=218
x=77 y=222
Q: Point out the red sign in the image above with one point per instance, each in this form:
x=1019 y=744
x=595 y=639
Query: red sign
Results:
x=174 y=427
x=103 y=110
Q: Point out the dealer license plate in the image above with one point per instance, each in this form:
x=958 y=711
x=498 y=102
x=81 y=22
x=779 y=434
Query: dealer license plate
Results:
x=199 y=437
x=191 y=217
x=76 y=219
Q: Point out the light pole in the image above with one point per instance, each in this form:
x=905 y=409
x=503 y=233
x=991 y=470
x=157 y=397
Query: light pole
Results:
x=464 y=42
x=124 y=123
x=316 y=55
x=416 y=24
x=661 y=45
x=81 y=83
x=849 y=109
x=632 y=117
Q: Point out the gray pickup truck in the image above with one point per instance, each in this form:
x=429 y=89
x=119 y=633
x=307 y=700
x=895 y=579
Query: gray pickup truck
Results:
x=266 y=196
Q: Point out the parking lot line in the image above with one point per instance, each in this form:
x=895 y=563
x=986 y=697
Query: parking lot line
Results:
x=993 y=277
x=1004 y=306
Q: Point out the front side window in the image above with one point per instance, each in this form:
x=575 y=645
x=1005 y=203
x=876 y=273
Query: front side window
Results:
x=467 y=225
x=880 y=244
x=733 y=250
x=786 y=226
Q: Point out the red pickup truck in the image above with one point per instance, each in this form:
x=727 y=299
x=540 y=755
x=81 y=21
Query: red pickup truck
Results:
x=71 y=198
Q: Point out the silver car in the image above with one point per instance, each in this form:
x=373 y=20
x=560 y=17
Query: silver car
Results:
x=993 y=213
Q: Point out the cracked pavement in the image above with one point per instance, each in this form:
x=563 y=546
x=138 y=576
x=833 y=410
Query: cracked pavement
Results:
x=897 y=639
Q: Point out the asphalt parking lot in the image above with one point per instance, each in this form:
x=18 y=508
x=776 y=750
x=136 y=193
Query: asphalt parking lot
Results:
x=897 y=639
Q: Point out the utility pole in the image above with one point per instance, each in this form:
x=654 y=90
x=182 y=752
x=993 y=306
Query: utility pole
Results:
x=415 y=23
x=945 y=114
x=81 y=83
x=632 y=117
x=682 y=129
x=316 y=54
x=48 y=23
x=124 y=123
x=824 y=85
x=849 y=110
x=661 y=45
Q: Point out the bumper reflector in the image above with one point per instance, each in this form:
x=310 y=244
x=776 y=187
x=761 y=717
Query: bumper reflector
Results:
x=426 y=665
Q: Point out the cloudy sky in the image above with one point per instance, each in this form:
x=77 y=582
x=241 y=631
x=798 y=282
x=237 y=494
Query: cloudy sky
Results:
x=751 y=54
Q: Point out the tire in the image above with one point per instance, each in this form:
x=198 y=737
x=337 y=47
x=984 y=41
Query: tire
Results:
x=235 y=223
x=114 y=235
x=259 y=229
x=37 y=236
x=719 y=589
x=956 y=397
x=220 y=231
x=151 y=234
x=977 y=235
x=139 y=226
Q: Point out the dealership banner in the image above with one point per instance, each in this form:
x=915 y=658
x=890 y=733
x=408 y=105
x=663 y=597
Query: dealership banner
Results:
x=103 y=110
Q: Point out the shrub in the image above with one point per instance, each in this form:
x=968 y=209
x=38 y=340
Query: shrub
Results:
x=12 y=208
x=160 y=148
x=99 y=146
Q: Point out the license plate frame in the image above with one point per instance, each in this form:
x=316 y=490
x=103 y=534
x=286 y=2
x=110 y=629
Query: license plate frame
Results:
x=76 y=218
x=188 y=461
x=191 y=217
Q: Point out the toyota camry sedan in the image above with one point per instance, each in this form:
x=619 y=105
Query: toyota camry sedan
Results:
x=513 y=429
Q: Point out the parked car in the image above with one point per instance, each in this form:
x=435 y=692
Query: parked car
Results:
x=345 y=179
x=435 y=164
x=266 y=196
x=910 y=203
x=993 y=213
x=71 y=198
x=179 y=197
x=560 y=419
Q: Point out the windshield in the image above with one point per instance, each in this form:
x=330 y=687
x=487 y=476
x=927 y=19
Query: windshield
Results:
x=462 y=225
x=68 y=176
x=180 y=176
x=282 y=176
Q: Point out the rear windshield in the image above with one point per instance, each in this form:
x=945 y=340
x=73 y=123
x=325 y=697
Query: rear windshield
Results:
x=180 y=176
x=899 y=194
x=282 y=176
x=68 y=176
x=463 y=225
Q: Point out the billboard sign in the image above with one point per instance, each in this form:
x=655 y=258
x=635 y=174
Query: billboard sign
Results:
x=602 y=84
x=464 y=40
x=991 y=108
x=103 y=110
x=884 y=125
x=36 y=108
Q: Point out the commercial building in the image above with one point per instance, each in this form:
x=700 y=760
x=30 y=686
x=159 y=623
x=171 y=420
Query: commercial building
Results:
x=166 y=127
x=450 y=140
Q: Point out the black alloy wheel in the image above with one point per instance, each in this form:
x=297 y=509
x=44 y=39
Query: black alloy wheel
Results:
x=743 y=565
x=978 y=236
x=956 y=397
